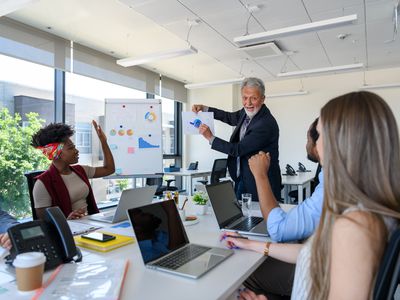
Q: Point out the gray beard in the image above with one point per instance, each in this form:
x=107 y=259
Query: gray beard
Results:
x=251 y=114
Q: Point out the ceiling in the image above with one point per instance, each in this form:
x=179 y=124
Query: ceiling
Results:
x=125 y=28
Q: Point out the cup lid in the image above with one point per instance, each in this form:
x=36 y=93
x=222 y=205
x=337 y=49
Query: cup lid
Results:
x=29 y=259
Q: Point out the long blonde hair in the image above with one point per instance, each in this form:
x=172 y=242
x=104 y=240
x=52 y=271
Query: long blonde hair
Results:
x=361 y=161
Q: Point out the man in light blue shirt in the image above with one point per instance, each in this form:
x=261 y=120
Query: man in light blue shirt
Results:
x=301 y=221
x=274 y=278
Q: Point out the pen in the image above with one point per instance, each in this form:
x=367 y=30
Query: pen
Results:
x=184 y=203
x=237 y=237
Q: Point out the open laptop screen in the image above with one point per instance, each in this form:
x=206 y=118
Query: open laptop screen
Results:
x=224 y=202
x=158 y=229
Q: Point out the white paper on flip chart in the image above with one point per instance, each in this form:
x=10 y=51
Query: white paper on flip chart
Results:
x=192 y=121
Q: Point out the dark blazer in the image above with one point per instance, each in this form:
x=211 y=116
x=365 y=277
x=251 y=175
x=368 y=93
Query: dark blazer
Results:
x=262 y=134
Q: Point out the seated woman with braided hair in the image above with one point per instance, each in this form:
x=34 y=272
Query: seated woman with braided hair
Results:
x=66 y=184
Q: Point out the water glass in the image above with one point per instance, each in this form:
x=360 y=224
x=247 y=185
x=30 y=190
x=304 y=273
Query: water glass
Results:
x=246 y=204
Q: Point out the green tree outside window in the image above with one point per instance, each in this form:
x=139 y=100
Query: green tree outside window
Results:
x=16 y=158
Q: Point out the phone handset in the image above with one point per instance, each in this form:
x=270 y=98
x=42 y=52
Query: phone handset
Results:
x=52 y=236
x=193 y=166
x=55 y=217
x=302 y=168
x=290 y=171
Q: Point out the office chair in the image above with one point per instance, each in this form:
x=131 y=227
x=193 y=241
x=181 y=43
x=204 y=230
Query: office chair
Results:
x=161 y=188
x=389 y=270
x=218 y=171
x=30 y=178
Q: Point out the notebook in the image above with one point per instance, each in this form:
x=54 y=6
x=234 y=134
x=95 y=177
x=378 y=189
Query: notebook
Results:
x=229 y=214
x=129 y=198
x=164 y=245
x=119 y=241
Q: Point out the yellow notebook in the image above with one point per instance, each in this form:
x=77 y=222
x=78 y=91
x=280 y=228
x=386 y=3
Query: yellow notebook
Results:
x=119 y=241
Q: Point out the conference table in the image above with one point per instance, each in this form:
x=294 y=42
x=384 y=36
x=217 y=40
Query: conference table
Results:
x=301 y=180
x=188 y=176
x=142 y=283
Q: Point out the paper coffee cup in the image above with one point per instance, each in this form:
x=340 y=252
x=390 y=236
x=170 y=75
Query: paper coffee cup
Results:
x=29 y=268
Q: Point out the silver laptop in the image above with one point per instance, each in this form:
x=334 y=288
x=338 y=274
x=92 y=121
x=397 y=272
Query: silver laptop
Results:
x=164 y=244
x=129 y=198
x=229 y=214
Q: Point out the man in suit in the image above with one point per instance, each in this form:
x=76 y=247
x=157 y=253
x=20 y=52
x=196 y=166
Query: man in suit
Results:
x=256 y=130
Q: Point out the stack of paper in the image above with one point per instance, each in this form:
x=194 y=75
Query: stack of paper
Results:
x=119 y=241
x=80 y=227
x=100 y=280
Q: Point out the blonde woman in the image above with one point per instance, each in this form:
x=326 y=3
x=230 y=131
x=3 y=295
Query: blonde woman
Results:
x=359 y=149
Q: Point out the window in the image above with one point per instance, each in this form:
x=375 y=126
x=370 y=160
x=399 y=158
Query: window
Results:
x=168 y=125
x=83 y=137
x=25 y=88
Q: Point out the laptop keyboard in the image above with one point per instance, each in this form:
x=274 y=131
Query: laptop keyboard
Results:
x=247 y=224
x=182 y=256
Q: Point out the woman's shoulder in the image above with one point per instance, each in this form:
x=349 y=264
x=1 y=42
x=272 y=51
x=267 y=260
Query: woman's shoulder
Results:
x=89 y=170
x=359 y=226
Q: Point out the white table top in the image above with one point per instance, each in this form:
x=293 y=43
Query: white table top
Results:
x=218 y=283
x=300 y=178
x=184 y=172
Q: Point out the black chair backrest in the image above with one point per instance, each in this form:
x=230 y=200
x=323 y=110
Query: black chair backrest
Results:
x=218 y=170
x=389 y=270
x=154 y=181
x=158 y=182
x=30 y=177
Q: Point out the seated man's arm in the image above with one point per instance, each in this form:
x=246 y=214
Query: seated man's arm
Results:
x=259 y=166
x=300 y=222
x=6 y=221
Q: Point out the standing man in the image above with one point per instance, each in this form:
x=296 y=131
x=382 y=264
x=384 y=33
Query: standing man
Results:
x=256 y=130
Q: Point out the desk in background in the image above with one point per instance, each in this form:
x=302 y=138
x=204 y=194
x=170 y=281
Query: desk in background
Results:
x=301 y=180
x=188 y=176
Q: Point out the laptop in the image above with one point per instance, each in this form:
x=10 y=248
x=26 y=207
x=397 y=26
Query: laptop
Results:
x=129 y=198
x=229 y=214
x=164 y=245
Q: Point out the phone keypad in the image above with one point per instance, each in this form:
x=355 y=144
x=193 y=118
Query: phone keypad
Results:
x=48 y=250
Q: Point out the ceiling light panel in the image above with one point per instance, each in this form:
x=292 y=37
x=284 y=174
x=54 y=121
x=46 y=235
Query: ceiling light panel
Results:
x=266 y=36
x=133 y=61
x=208 y=84
x=9 y=6
x=321 y=70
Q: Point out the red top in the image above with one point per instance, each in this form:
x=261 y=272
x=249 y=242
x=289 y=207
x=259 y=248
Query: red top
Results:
x=58 y=192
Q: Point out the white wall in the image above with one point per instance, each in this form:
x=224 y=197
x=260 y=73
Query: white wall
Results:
x=294 y=114
x=196 y=147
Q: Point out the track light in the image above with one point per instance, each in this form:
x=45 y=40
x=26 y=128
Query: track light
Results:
x=133 y=61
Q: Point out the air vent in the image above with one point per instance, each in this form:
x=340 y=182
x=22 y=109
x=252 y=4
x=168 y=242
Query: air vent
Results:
x=262 y=50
